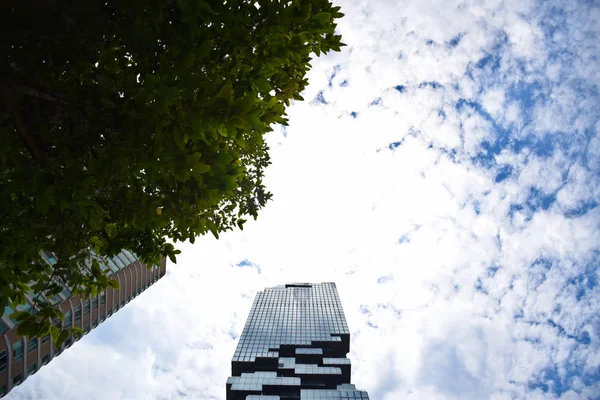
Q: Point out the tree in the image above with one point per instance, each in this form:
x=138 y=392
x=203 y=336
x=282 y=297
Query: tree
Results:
x=127 y=123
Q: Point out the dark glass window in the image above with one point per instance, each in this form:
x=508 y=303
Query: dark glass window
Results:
x=68 y=319
x=66 y=292
x=49 y=257
x=3 y=358
x=17 y=351
x=45 y=339
x=46 y=359
x=3 y=328
x=129 y=256
x=102 y=298
x=31 y=345
x=31 y=369
x=119 y=263
x=112 y=265
x=18 y=379
x=77 y=313
x=86 y=307
x=123 y=259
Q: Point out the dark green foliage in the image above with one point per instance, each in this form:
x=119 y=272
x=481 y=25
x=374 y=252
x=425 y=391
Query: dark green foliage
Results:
x=127 y=123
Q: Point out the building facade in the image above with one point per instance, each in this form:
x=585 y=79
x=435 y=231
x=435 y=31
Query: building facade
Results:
x=21 y=357
x=294 y=347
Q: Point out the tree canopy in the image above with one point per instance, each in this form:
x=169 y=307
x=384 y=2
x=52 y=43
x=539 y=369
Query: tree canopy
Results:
x=134 y=124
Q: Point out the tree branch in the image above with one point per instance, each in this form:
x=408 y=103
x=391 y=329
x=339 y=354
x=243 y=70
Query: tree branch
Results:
x=9 y=101
x=32 y=144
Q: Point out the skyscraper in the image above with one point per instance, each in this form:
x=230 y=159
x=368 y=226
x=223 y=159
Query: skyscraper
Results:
x=21 y=357
x=294 y=346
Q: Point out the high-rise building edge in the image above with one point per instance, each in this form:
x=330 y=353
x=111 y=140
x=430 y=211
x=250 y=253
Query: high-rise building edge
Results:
x=294 y=347
x=21 y=357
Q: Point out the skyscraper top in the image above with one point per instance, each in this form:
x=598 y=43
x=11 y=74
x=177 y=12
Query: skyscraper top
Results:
x=294 y=344
x=296 y=314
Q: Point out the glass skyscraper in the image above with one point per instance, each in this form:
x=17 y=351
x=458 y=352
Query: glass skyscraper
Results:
x=21 y=357
x=294 y=346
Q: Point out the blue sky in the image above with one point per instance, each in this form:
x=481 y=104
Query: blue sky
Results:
x=444 y=172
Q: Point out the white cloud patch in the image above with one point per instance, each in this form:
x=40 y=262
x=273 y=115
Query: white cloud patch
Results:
x=456 y=210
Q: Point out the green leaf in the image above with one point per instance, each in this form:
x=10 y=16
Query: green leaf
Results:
x=193 y=159
x=204 y=48
x=222 y=130
x=206 y=7
x=213 y=228
x=97 y=242
x=241 y=123
x=247 y=103
x=226 y=91
x=62 y=337
x=224 y=158
x=54 y=332
x=180 y=139
x=96 y=271
x=76 y=329
x=322 y=18
x=111 y=230
x=107 y=102
x=20 y=315
x=201 y=168
x=27 y=328
x=188 y=60
x=255 y=121
x=113 y=284
x=263 y=85
x=38 y=287
x=258 y=138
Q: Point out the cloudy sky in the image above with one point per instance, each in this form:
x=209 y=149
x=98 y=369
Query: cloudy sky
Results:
x=444 y=172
